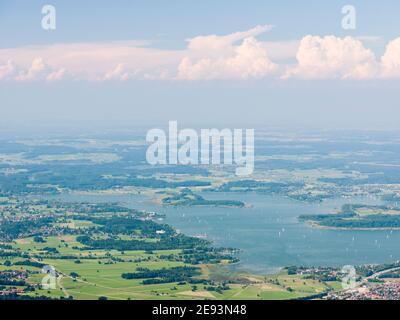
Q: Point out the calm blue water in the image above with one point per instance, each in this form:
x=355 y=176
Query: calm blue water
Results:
x=269 y=234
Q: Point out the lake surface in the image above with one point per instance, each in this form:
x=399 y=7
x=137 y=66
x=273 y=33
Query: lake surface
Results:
x=268 y=233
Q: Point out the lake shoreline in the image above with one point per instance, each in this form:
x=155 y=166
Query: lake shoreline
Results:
x=269 y=234
x=320 y=227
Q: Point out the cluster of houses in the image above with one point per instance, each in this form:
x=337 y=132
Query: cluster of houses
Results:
x=385 y=291
x=12 y=275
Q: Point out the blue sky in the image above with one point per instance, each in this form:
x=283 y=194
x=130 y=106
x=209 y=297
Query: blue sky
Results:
x=266 y=89
x=173 y=21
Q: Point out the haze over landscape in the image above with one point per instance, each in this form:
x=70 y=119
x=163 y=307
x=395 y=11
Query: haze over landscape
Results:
x=286 y=65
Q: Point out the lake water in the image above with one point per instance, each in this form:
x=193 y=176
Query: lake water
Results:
x=268 y=233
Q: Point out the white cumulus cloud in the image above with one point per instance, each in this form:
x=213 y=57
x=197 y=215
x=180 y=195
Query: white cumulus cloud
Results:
x=6 y=70
x=390 y=61
x=117 y=73
x=218 y=44
x=219 y=57
x=39 y=70
x=89 y=61
x=239 y=55
x=36 y=70
x=57 y=75
x=333 y=57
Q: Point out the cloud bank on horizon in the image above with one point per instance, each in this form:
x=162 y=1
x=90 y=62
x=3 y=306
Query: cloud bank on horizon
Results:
x=237 y=56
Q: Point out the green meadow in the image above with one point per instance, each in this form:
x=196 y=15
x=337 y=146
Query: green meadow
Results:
x=98 y=274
